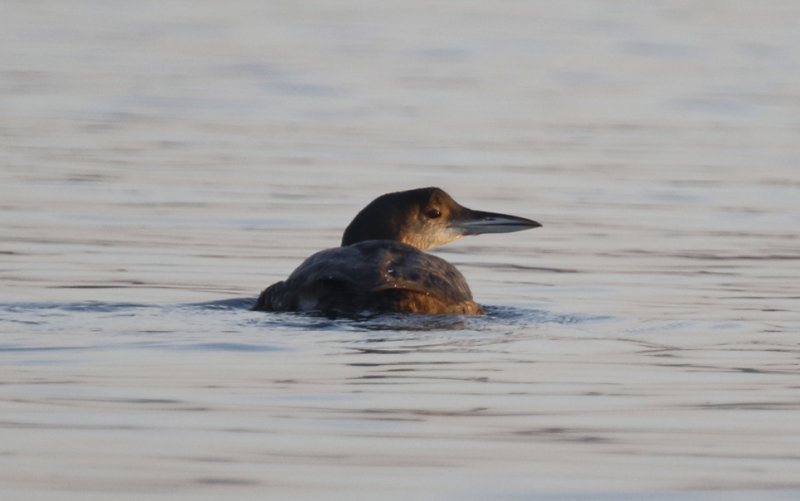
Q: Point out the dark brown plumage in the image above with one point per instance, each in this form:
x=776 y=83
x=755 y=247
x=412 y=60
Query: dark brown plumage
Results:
x=372 y=276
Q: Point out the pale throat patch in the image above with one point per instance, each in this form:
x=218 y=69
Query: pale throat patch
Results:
x=432 y=238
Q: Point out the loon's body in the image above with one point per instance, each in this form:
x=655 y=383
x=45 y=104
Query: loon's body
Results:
x=372 y=276
x=381 y=266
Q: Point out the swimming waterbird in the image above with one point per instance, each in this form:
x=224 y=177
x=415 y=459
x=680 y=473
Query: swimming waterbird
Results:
x=381 y=267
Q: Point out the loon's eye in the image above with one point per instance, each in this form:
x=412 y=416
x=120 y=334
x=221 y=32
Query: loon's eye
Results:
x=433 y=213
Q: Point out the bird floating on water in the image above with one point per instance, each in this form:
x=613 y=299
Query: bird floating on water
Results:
x=381 y=267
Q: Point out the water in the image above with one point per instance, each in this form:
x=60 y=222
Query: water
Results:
x=161 y=165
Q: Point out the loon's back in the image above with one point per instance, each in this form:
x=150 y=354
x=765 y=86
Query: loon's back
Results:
x=376 y=276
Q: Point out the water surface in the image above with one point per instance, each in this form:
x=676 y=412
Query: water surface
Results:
x=161 y=165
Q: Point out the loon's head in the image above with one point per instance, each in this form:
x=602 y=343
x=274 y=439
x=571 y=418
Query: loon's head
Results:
x=425 y=218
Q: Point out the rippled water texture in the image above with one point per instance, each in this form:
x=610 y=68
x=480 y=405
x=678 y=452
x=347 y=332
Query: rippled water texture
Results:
x=161 y=163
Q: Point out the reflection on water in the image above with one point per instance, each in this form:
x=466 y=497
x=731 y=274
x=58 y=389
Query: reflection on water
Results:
x=160 y=168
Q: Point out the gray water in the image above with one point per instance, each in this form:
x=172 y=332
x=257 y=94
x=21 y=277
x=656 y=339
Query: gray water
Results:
x=162 y=162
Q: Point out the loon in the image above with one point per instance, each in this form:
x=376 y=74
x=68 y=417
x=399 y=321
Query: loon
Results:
x=381 y=267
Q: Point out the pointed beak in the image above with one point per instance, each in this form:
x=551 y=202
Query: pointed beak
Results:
x=473 y=222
